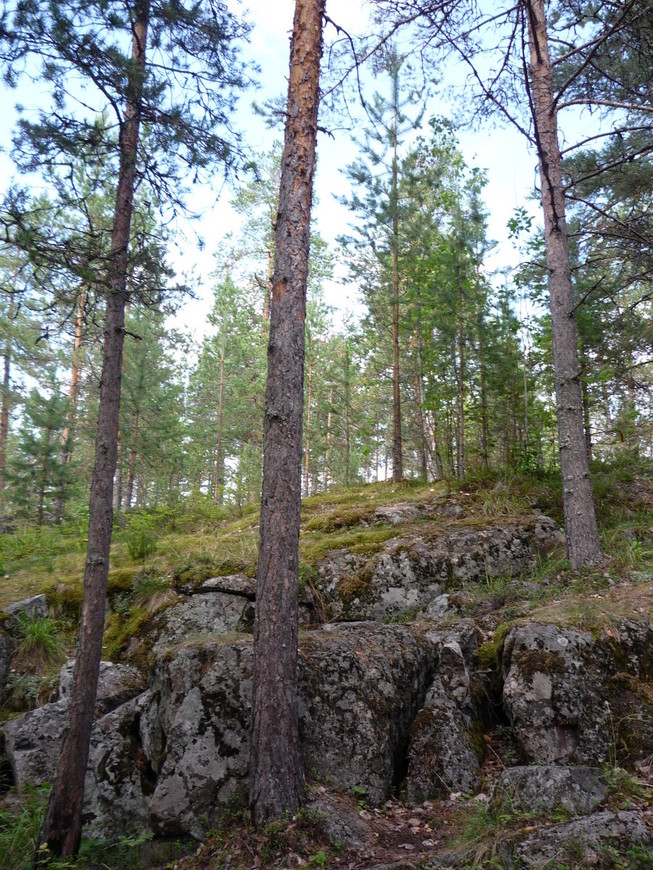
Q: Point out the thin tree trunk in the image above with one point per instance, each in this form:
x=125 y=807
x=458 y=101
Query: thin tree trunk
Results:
x=75 y=378
x=397 y=447
x=62 y=825
x=218 y=488
x=460 y=427
x=422 y=469
x=44 y=479
x=6 y=391
x=583 y=544
x=275 y=768
x=347 y=426
x=133 y=454
x=307 y=448
x=327 y=455
x=485 y=450
x=117 y=482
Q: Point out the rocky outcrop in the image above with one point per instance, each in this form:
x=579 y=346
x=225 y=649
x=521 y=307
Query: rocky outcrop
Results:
x=564 y=692
x=595 y=841
x=441 y=757
x=33 y=608
x=33 y=741
x=543 y=789
x=413 y=571
x=389 y=706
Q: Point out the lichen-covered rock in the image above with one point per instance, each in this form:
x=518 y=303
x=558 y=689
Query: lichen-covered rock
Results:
x=563 y=691
x=413 y=571
x=541 y=789
x=6 y=653
x=201 y=615
x=339 y=820
x=33 y=741
x=116 y=684
x=441 y=756
x=360 y=686
x=119 y=778
x=593 y=841
x=202 y=711
x=35 y=607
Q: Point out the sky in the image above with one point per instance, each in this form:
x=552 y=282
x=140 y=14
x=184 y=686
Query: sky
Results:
x=503 y=152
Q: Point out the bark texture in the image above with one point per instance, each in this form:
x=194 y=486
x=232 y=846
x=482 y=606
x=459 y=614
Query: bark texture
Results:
x=276 y=776
x=6 y=390
x=61 y=829
x=583 y=545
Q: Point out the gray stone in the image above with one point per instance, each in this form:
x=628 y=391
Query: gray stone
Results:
x=360 y=687
x=33 y=743
x=203 y=711
x=412 y=572
x=232 y=584
x=34 y=608
x=203 y=615
x=567 y=693
x=6 y=653
x=398 y=513
x=439 y=607
x=119 y=778
x=340 y=821
x=541 y=789
x=116 y=684
x=592 y=841
x=441 y=758
x=34 y=740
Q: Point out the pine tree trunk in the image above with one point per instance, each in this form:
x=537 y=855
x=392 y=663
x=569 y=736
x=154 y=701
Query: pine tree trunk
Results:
x=6 y=390
x=218 y=487
x=422 y=468
x=485 y=450
x=131 y=462
x=583 y=545
x=460 y=423
x=397 y=447
x=75 y=378
x=275 y=769
x=307 y=448
x=62 y=825
x=327 y=455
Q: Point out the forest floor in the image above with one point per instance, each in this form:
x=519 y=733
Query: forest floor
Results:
x=154 y=551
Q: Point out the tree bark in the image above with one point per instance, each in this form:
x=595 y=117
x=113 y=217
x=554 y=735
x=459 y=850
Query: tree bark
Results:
x=327 y=455
x=75 y=377
x=275 y=770
x=309 y=399
x=61 y=828
x=460 y=423
x=583 y=545
x=397 y=446
x=218 y=486
x=6 y=389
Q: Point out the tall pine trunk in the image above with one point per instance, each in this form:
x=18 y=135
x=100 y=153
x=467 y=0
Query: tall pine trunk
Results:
x=75 y=378
x=275 y=769
x=309 y=400
x=583 y=545
x=62 y=825
x=397 y=446
x=218 y=485
x=6 y=393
